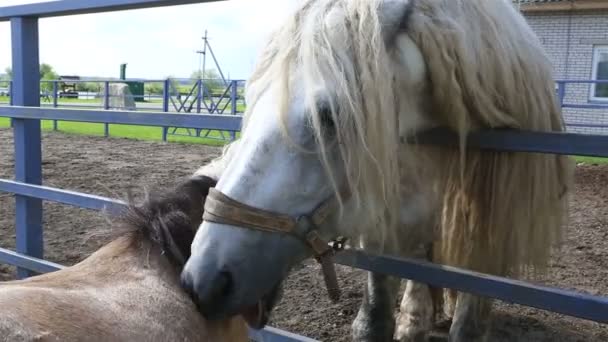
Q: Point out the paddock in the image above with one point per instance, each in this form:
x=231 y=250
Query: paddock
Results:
x=112 y=166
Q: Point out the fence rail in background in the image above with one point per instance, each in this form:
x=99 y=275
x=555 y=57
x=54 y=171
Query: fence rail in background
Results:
x=209 y=96
x=29 y=191
x=74 y=7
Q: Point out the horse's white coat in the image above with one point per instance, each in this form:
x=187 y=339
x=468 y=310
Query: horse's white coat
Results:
x=461 y=64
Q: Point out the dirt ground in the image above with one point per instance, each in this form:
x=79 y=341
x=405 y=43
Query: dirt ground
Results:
x=111 y=167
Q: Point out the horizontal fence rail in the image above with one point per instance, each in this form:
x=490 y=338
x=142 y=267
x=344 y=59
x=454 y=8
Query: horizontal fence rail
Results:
x=522 y=141
x=206 y=121
x=498 y=140
x=74 y=7
x=77 y=199
x=28 y=262
x=276 y=335
x=570 y=303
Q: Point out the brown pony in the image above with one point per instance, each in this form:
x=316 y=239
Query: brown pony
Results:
x=128 y=290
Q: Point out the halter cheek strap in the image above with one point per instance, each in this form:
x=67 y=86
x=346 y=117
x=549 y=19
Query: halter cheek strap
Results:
x=222 y=209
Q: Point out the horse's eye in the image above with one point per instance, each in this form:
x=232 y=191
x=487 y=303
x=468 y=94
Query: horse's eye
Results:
x=326 y=119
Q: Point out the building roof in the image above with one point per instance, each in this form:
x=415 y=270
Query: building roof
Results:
x=560 y=5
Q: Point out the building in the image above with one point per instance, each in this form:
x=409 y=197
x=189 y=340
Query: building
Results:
x=575 y=36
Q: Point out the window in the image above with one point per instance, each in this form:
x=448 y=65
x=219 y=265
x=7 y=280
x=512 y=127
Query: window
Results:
x=599 y=92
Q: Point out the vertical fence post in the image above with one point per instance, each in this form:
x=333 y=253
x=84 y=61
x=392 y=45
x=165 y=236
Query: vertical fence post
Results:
x=166 y=94
x=199 y=96
x=10 y=98
x=233 y=96
x=561 y=92
x=106 y=106
x=55 y=103
x=28 y=149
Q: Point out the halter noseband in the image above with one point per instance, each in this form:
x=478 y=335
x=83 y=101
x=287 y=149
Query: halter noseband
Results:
x=222 y=209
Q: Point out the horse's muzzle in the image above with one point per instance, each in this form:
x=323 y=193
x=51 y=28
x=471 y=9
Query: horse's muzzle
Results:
x=214 y=297
x=226 y=276
x=210 y=297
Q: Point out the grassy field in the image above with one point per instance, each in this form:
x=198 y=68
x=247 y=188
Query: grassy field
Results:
x=125 y=131
x=591 y=160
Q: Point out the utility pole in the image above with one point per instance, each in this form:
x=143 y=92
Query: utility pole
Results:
x=203 y=59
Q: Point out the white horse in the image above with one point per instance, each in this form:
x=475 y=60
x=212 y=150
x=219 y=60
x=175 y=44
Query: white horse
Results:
x=339 y=90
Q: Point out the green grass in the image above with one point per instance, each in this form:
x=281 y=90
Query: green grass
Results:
x=591 y=160
x=70 y=101
x=124 y=131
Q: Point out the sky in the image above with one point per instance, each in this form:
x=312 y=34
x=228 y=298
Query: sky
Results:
x=155 y=43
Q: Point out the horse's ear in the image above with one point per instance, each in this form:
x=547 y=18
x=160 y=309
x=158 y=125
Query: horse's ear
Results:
x=393 y=16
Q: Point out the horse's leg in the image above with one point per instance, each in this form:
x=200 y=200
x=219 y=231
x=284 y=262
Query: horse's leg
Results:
x=415 y=319
x=471 y=319
x=417 y=312
x=375 y=320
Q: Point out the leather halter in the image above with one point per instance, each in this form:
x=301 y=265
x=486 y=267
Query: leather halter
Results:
x=222 y=209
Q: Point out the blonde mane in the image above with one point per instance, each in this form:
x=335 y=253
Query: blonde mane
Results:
x=363 y=102
x=502 y=212
x=499 y=212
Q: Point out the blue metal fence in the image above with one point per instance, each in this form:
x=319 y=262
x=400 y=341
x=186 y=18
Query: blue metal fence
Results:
x=29 y=192
x=199 y=98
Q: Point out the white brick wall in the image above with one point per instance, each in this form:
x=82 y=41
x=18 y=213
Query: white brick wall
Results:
x=569 y=40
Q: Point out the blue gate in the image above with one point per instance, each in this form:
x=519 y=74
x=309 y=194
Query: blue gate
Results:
x=29 y=192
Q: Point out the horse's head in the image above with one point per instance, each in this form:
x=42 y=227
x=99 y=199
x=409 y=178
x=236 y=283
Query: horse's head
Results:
x=336 y=93
x=323 y=117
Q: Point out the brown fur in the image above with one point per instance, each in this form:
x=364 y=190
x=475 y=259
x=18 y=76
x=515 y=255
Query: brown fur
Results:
x=126 y=291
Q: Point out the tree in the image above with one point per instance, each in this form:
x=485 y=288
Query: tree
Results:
x=92 y=87
x=47 y=74
x=196 y=75
x=155 y=88
x=211 y=78
x=174 y=85
x=46 y=69
x=8 y=74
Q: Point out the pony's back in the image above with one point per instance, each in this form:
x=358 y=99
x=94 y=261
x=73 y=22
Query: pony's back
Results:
x=123 y=292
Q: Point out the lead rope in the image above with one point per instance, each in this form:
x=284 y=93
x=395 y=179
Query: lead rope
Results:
x=324 y=254
x=329 y=271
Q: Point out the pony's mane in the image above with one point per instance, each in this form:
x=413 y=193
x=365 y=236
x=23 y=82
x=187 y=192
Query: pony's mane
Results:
x=168 y=219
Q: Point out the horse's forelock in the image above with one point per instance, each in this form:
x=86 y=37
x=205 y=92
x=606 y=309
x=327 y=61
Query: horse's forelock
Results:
x=339 y=46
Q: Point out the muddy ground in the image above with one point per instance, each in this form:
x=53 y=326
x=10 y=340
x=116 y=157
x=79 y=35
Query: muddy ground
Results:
x=112 y=167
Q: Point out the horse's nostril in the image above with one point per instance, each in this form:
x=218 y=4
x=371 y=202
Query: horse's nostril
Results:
x=224 y=284
x=219 y=289
x=210 y=293
x=186 y=282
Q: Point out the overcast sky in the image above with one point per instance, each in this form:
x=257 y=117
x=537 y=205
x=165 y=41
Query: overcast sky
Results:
x=155 y=42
